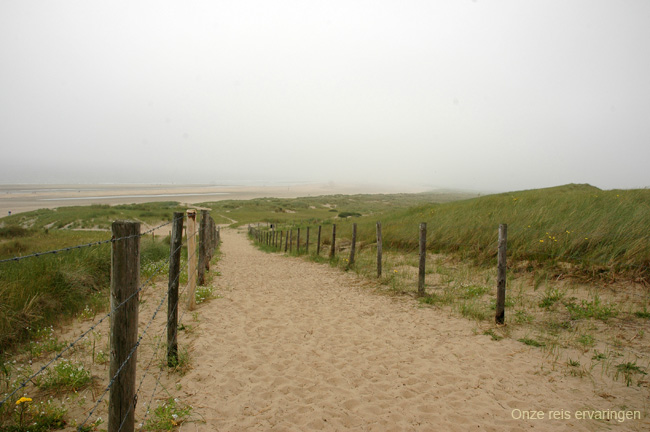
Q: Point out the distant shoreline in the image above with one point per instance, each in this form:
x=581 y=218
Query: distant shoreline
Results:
x=20 y=198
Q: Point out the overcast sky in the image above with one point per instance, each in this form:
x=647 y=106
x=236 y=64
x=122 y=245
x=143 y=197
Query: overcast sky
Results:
x=483 y=95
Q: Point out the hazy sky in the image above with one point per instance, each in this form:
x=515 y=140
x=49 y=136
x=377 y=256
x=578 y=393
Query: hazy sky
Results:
x=487 y=95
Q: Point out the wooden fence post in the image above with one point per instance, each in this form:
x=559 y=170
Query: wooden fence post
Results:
x=318 y=241
x=290 y=241
x=204 y=263
x=286 y=241
x=423 y=257
x=353 y=247
x=175 y=246
x=333 y=245
x=307 y=242
x=190 y=232
x=280 y=240
x=500 y=315
x=298 y=242
x=125 y=282
x=379 y=249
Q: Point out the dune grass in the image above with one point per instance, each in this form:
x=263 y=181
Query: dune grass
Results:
x=37 y=292
x=573 y=229
x=578 y=268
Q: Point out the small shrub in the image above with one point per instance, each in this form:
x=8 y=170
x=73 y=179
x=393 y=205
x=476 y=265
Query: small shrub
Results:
x=36 y=417
x=203 y=293
x=629 y=370
x=168 y=415
x=493 y=335
x=551 y=296
x=472 y=291
x=346 y=214
x=65 y=375
x=13 y=231
x=587 y=340
x=645 y=313
x=531 y=342
x=590 y=309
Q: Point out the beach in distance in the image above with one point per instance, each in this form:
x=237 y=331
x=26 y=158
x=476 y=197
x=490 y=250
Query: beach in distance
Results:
x=19 y=198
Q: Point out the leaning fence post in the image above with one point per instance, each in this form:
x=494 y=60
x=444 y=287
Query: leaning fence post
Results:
x=125 y=282
x=190 y=232
x=353 y=247
x=333 y=245
x=423 y=257
x=175 y=244
x=500 y=315
x=379 y=247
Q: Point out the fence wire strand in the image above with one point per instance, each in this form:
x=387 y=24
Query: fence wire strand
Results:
x=81 y=246
x=144 y=332
x=85 y=333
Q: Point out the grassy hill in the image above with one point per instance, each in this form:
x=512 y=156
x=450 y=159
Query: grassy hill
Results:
x=597 y=231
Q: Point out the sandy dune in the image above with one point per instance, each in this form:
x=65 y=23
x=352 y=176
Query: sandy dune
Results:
x=297 y=346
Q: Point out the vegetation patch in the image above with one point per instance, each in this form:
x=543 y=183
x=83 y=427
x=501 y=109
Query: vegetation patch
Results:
x=590 y=309
x=531 y=342
x=168 y=415
x=65 y=375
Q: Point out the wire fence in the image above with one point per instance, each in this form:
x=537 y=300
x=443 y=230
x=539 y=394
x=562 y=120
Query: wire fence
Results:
x=141 y=288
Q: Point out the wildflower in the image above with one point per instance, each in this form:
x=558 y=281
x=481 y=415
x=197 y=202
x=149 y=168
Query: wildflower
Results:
x=23 y=400
x=541 y=241
x=395 y=271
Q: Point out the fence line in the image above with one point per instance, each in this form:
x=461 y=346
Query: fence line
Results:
x=83 y=335
x=79 y=246
x=212 y=240
x=256 y=234
x=150 y=360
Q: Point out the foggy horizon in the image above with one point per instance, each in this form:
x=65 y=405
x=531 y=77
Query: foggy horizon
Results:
x=473 y=95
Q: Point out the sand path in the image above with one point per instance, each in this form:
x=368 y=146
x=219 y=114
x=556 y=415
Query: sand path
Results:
x=295 y=345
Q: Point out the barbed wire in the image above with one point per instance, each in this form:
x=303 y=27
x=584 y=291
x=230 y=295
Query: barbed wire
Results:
x=81 y=246
x=144 y=332
x=155 y=351
x=411 y=246
x=153 y=393
x=140 y=289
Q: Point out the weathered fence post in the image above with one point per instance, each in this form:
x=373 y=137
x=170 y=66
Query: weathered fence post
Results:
x=500 y=315
x=175 y=244
x=190 y=232
x=286 y=241
x=125 y=282
x=333 y=245
x=353 y=247
x=290 y=241
x=298 y=242
x=204 y=263
x=280 y=240
x=379 y=249
x=307 y=242
x=318 y=241
x=423 y=257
